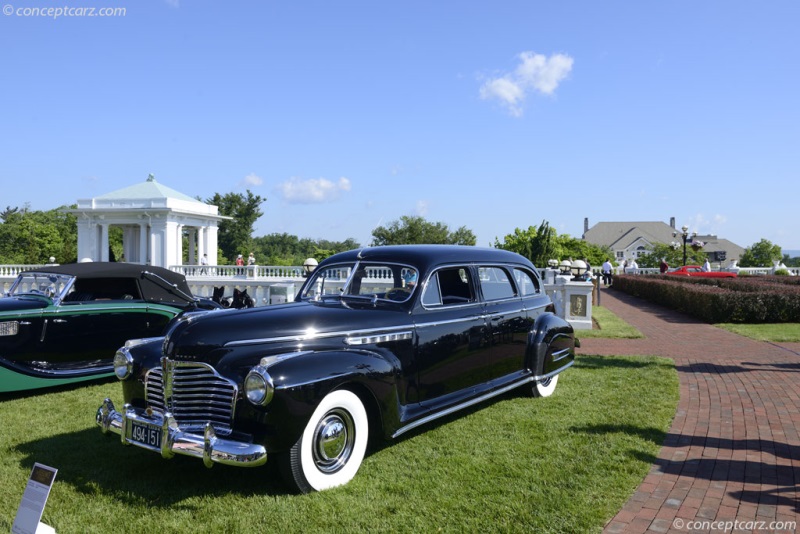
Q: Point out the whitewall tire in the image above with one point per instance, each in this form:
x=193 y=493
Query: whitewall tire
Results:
x=332 y=446
x=546 y=387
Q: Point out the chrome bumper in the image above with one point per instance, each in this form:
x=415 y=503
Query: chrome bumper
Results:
x=175 y=441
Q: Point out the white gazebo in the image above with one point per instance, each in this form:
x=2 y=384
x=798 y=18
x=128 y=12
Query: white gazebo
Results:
x=154 y=219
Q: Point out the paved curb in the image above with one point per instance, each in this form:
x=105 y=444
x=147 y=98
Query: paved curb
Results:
x=731 y=460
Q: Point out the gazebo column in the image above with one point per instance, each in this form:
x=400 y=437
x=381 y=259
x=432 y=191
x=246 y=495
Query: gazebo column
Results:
x=103 y=241
x=179 y=243
x=144 y=237
x=202 y=246
x=212 y=244
x=191 y=258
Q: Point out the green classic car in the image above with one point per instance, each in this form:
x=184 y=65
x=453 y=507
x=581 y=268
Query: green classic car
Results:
x=63 y=323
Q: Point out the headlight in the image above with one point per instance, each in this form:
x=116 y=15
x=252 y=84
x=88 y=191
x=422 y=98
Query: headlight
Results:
x=123 y=363
x=258 y=386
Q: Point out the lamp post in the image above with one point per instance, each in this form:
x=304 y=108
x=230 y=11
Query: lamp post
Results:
x=308 y=266
x=685 y=235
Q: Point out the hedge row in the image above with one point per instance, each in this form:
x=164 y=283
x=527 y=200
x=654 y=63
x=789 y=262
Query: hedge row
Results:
x=731 y=300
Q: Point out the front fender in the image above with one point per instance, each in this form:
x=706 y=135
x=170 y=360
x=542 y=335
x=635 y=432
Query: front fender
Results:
x=146 y=354
x=551 y=345
x=302 y=381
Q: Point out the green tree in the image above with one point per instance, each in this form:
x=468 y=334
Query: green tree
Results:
x=761 y=254
x=543 y=243
x=285 y=249
x=235 y=235
x=791 y=262
x=416 y=230
x=536 y=244
x=578 y=249
x=673 y=256
x=32 y=237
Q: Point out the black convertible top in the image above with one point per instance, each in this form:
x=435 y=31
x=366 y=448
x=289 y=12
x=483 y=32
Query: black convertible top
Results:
x=157 y=284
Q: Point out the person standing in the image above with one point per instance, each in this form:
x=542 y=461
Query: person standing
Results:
x=706 y=266
x=664 y=267
x=607 y=268
x=251 y=259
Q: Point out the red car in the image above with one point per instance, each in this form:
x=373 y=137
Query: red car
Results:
x=696 y=270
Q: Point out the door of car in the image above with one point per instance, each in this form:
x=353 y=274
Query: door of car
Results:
x=21 y=333
x=90 y=332
x=507 y=322
x=452 y=339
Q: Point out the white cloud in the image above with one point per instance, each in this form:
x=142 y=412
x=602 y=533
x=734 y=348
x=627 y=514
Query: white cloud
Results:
x=535 y=73
x=313 y=191
x=422 y=208
x=251 y=180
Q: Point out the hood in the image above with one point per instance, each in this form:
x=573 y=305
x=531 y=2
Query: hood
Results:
x=207 y=337
x=14 y=304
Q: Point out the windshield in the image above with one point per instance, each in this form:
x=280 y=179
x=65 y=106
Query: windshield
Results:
x=363 y=279
x=47 y=284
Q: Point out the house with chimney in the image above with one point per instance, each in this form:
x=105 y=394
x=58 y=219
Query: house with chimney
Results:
x=630 y=240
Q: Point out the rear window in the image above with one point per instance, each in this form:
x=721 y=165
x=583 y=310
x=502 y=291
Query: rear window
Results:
x=495 y=283
x=527 y=283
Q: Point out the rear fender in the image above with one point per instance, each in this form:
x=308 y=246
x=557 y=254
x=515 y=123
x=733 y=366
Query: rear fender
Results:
x=551 y=345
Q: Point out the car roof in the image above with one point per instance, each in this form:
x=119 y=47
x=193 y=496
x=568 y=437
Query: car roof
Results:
x=157 y=283
x=426 y=256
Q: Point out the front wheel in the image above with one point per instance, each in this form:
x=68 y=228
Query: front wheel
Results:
x=332 y=446
x=544 y=388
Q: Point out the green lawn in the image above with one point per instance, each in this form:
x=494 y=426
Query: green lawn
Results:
x=609 y=325
x=566 y=463
x=783 y=332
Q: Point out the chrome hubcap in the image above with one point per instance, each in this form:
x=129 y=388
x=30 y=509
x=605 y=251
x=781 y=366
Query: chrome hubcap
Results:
x=546 y=381
x=333 y=441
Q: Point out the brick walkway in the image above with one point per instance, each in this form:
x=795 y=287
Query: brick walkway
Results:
x=733 y=452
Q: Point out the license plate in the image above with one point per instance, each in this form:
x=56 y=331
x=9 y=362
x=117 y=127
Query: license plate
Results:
x=146 y=434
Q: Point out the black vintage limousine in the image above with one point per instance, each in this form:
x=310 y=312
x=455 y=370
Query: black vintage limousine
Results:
x=378 y=342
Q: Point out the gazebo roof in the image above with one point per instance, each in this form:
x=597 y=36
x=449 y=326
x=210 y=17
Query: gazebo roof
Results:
x=149 y=189
x=150 y=196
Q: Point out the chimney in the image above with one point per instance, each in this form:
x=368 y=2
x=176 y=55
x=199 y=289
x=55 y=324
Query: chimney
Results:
x=585 y=224
x=672 y=222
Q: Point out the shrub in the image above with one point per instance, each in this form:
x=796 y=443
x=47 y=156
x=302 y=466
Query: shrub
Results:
x=732 y=300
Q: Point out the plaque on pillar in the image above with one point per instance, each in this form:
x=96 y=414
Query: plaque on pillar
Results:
x=577 y=305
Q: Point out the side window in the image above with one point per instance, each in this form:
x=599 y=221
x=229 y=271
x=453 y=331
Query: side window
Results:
x=495 y=283
x=527 y=284
x=432 y=296
x=449 y=286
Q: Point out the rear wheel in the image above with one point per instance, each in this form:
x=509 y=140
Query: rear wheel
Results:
x=332 y=446
x=544 y=388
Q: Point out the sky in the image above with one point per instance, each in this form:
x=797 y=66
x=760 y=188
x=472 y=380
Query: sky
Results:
x=348 y=115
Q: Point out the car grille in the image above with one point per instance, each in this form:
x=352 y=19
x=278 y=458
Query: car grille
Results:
x=193 y=393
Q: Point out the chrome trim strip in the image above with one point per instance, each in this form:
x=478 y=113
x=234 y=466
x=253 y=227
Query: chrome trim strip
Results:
x=561 y=354
x=312 y=334
x=378 y=338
